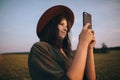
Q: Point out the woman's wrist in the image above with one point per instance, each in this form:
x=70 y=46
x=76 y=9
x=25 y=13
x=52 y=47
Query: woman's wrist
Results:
x=83 y=43
x=90 y=50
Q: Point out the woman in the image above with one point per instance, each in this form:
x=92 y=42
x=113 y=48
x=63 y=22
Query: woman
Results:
x=52 y=57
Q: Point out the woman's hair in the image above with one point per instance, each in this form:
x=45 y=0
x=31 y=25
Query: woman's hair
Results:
x=49 y=34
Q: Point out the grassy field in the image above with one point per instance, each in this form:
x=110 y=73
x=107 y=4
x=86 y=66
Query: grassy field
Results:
x=108 y=66
x=14 y=66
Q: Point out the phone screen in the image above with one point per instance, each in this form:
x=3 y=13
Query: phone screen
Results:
x=87 y=18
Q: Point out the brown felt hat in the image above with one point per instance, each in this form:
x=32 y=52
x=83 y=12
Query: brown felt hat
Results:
x=51 y=13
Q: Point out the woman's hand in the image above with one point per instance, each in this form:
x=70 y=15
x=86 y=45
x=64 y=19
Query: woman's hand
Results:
x=87 y=36
x=92 y=43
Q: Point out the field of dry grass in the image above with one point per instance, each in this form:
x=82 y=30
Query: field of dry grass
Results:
x=14 y=66
x=108 y=66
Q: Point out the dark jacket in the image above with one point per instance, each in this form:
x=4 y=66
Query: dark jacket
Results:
x=47 y=63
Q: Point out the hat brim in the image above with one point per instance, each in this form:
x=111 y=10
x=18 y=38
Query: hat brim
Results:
x=52 y=12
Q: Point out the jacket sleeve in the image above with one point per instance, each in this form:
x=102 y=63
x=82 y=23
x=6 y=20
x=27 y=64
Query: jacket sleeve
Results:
x=42 y=66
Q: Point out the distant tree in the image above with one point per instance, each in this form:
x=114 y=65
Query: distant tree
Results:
x=104 y=48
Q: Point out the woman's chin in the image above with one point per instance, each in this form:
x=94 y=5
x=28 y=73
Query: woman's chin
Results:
x=62 y=37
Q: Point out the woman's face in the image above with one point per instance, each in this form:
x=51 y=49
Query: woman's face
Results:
x=62 y=29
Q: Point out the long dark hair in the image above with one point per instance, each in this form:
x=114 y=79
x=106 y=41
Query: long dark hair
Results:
x=49 y=34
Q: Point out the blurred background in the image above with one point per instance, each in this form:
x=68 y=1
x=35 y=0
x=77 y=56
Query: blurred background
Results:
x=18 y=20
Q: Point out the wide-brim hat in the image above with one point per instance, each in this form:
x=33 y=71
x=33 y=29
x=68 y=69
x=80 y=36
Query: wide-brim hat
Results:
x=51 y=13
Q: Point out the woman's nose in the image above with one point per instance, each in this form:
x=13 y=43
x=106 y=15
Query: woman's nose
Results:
x=65 y=28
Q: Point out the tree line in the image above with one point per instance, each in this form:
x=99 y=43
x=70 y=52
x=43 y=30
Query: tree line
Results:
x=105 y=49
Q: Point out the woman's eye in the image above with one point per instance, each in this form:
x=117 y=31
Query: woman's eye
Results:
x=61 y=24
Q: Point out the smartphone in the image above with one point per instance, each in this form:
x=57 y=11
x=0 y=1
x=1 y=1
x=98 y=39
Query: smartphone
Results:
x=87 y=18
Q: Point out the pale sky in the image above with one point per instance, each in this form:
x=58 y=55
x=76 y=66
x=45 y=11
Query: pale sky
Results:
x=18 y=20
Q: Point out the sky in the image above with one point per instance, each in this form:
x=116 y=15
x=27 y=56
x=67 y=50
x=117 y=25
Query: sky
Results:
x=18 y=21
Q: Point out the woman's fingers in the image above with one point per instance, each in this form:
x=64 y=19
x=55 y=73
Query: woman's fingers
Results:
x=93 y=42
x=86 y=34
x=87 y=26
